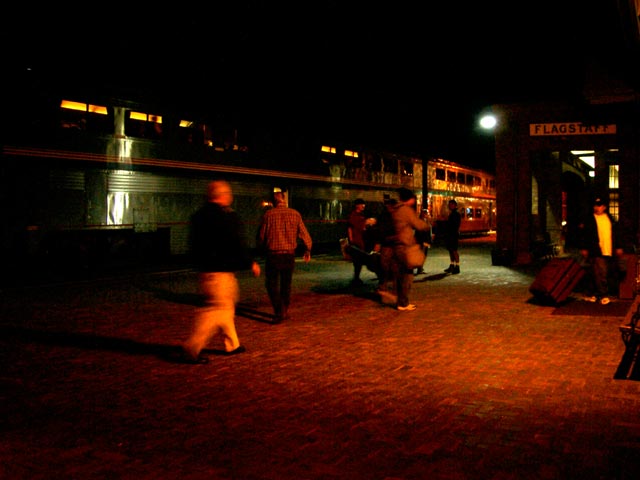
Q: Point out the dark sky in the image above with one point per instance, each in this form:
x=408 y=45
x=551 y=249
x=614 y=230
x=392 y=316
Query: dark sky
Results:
x=405 y=76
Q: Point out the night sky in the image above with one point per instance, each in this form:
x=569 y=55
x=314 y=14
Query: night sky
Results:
x=404 y=76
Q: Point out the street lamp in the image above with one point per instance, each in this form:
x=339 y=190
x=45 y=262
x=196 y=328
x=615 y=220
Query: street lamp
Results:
x=488 y=122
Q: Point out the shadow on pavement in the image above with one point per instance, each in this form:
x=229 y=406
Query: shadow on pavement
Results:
x=90 y=342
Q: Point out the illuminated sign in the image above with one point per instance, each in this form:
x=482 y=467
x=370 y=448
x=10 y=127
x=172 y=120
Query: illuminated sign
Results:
x=572 y=128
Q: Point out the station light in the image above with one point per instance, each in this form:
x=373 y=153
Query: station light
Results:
x=488 y=122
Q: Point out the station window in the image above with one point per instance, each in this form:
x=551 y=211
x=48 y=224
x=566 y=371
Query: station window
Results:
x=451 y=176
x=440 y=175
x=614 y=176
x=614 y=205
x=461 y=178
x=614 y=196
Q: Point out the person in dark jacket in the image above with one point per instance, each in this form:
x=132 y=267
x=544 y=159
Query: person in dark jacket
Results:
x=356 y=226
x=600 y=247
x=452 y=237
x=218 y=249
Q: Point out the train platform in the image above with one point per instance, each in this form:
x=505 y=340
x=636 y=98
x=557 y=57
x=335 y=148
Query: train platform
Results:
x=480 y=382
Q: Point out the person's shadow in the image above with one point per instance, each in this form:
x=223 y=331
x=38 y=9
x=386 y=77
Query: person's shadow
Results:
x=430 y=278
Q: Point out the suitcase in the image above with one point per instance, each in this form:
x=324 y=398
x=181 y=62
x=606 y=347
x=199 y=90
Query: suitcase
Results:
x=628 y=273
x=556 y=280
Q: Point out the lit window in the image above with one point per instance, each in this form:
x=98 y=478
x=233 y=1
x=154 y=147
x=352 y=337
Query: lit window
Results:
x=614 y=205
x=326 y=149
x=614 y=175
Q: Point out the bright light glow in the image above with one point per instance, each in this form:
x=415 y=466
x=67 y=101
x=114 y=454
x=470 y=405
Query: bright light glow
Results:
x=581 y=152
x=589 y=160
x=488 y=122
x=327 y=149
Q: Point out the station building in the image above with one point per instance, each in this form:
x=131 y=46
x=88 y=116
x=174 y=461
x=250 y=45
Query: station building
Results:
x=551 y=160
x=554 y=156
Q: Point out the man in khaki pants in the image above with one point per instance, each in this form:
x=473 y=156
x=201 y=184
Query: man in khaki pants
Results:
x=219 y=250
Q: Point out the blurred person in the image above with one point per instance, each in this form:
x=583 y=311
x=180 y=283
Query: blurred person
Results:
x=218 y=249
x=356 y=226
x=405 y=224
x=601 y=249
x=452 y=237
x=280 y=230
x=382 y=237
x=424 y=238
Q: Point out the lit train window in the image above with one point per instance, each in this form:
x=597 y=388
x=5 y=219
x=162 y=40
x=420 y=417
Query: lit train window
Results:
x=78 y=116
x=140 y=124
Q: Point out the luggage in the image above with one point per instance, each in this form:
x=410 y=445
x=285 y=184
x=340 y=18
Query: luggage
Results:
x=369 y=260
x=556 y=280
x=627 y=276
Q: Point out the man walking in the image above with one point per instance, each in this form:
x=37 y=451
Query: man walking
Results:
x=279 y=232
x=219 y=250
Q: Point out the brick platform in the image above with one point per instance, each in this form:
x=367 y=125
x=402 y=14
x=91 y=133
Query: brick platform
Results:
x=477 y=383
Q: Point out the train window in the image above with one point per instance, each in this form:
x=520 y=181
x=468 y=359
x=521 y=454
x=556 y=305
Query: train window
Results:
x=440 y=175
x=461 y=178
x=469 y=212
x=478 y=213
x=451 y=176
x=407 y=168
x=477 y=182
x=469 y=180
x=139 y=124
x=80 y=116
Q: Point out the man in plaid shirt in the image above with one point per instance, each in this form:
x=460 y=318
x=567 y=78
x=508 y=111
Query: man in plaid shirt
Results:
x=279 y=232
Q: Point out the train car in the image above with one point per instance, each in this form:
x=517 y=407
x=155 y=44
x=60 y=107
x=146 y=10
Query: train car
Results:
x=89 y=181
x=474 y=190
x=98 y=180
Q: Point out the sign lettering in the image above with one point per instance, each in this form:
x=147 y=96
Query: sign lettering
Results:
x=571 y=128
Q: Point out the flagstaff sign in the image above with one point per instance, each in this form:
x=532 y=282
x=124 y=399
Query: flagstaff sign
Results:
x=572 y=128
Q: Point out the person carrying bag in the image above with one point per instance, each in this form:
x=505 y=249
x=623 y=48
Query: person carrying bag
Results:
x=408 y=253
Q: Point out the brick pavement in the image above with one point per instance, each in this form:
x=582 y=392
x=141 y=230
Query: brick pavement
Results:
x=478 y=383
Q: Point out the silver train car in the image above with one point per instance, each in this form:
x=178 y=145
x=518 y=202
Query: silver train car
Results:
x=90 y=182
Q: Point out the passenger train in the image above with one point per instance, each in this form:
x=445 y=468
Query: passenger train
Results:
x=91 y=181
